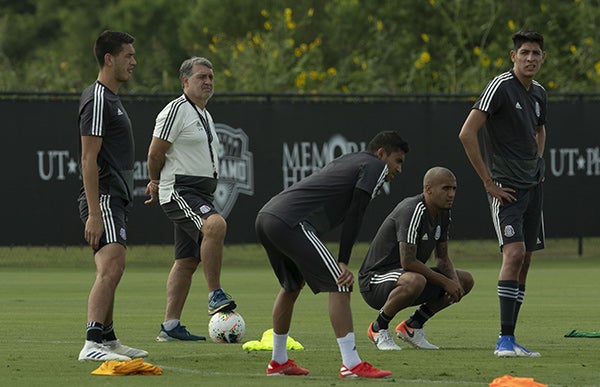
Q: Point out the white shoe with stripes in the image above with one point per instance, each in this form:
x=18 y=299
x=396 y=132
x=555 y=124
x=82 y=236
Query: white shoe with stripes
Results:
x=93 y=351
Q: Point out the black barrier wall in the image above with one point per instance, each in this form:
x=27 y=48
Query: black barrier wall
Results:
x=268 y=145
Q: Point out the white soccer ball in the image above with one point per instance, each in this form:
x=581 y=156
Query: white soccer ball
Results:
x=226 y=327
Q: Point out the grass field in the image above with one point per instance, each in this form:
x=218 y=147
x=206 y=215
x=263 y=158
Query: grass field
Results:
x=43 y=293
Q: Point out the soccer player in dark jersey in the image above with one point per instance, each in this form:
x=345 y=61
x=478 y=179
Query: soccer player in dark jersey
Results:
x=107 y=158
x=512 y=108
x=290 y=226
x=183 y=160
x=394 y=274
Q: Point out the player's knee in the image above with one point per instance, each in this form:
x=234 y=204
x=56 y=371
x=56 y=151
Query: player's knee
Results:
x=413 y=283
x=214 y=226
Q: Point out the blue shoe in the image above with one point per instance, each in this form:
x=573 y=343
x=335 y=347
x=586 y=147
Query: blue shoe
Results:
x=177 y=333
x=220 y=301
x=505 y=347
x=524 y=352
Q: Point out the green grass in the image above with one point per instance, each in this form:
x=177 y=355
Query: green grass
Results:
x=44 y=293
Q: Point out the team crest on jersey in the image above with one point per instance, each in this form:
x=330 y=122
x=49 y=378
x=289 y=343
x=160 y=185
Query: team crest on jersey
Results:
x=509 y=231
x=204 y=209
x=123 y=233
x=236 y=168
x=538 y=110
x=438 y=232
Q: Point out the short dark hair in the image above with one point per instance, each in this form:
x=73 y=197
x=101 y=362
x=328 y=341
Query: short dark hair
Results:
x=390 y=141
x=525 y=36
x=110 y=42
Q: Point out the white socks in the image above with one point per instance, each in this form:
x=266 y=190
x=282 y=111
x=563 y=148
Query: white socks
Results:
x=279 y=353
x=347 y=345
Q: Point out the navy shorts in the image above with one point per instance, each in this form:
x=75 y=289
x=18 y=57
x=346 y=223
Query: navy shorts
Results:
x=522 y=220
x=114 y=211
x=297 y=255
x=187 y=212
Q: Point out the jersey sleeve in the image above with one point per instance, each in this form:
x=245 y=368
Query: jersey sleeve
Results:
x=408 y=223
x=169 y=122
x=94 y=115
x=491 y=97
x=371 y=176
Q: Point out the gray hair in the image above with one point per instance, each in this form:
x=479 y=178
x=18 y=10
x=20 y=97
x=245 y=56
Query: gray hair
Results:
x=186 y=67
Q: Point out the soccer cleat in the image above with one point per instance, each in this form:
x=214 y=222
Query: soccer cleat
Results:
x=363 y=370
x=382 y=339
x=413 y=336
x=118 y=348
x=93 y=351
x=505 y=347
x=220 y=301
x=287 y=368
x=177 y=333
x=524 y=352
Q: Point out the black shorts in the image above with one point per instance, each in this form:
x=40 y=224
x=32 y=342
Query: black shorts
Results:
x=187 y=212
x=522 y=220
x=376 y=287
x=297 y=255
x=114 y=211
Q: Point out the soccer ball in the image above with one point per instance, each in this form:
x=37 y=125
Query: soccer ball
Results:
x=226 y=327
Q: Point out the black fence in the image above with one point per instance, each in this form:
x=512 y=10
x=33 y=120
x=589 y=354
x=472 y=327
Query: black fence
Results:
x=271 y=141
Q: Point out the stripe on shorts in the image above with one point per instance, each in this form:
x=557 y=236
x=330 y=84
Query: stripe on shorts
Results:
x=107 y=219
x=378 y=279
x=187 y=210
x=328 y=260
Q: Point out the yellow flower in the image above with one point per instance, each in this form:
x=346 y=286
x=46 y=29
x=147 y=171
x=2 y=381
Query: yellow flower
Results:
x=291 y=25
x=240 y=47
x=425 y=38
x=432 y=3
x=511 y=25
x=476 y=50
x=322 y=76
x=485 y=61
x=379 y=25
x=589 y=41
x=543 y=8
x=212 y=48
x=196 y=46
x=345 y=89
x=64 y=65
x=268 y=25
x=314 y=75
x=290 y=42
x=297 y=52
x=205 y=30
x=215 y=39
x=256 y=39
x=363 y=66
x=227 y=73
x=303 y=47
x=551 y=84
x=499 y=62
x=276 y=54
x=356 y=60
x=317 y=41
x=331 y=71
x=301 y=79
x=419 y=64
x=425 y=57
x=264 y=13
x=287 y=12
x=597 y=67
x=573 y=49
x=311 y=12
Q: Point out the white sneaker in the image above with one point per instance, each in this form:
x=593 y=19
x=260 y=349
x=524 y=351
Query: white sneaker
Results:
x=93 y=351
x=382 y=339
x=416 y=337
x=521 y=351
x=120 y=349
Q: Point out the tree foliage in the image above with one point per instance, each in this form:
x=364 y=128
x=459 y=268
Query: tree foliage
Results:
x=301 y=46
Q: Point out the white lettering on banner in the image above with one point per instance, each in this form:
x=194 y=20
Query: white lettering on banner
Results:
x=51 y=164
x=301 y=159
x=570 y=161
